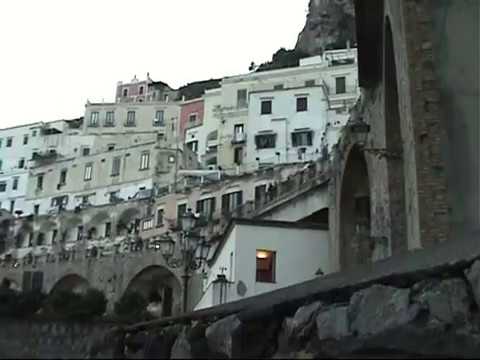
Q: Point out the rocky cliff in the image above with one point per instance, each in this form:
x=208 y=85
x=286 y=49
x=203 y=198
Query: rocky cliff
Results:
x=330 y=24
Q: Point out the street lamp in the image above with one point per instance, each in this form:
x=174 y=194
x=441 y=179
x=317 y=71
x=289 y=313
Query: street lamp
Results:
x=194 y=250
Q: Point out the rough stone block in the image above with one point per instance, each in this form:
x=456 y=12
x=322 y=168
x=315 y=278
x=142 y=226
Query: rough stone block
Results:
x=333 y=323
x=473 y=276
x=303 y=321
x=223 y=336
x=379 y=308
x=447 y=301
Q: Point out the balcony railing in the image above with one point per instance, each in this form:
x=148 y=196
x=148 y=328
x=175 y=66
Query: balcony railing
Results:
x=239 y=138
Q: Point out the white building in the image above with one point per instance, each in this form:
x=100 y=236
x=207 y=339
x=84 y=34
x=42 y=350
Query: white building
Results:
x=283 y=115
x=257 y=256
x=299 y=120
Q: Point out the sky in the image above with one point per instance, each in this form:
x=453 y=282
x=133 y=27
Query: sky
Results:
x=56 y=54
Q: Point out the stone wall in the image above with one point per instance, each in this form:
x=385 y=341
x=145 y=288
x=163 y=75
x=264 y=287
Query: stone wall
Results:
x=431 y=316
x=48 y=340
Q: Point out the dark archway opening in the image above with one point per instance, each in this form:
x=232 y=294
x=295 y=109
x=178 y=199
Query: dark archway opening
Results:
x=394 y=146
x=157 y=285
x=318 y=217
x=71 y=283
x=355 y=245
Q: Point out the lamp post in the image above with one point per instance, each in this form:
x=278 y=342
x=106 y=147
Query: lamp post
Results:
x=193 y=250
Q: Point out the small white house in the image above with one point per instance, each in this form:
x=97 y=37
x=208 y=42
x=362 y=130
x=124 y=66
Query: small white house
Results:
x=259 y=256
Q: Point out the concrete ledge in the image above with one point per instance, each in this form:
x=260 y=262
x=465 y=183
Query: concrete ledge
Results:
x=401 y=271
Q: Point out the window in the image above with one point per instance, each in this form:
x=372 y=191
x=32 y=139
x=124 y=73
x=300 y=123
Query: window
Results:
x=193 y=145
x=40 y=182
x=12 y=206
x=260 y=193
x=80 y=233
x=87 y=174
x=59 y=201
x=206 y=207
x=302 y=104
x=21 y=163
x=93 y=119
x=116 y=165
x=1 y=141
x=192 y=118
x=125 y=92
x=63 y=177
x=130 y=118
x=110 y=119
x=108 y=229
x=111 y=147
x=145 y=161
x=147 y=224
x=278 y=87
x=86 y=151
x=25 y=139
x=140 y=91
x=231 y=201
x=34 y=133
x=238 y=133
x=309 y=83
x=114 y=196
x=159 y=118
x=242 y=98
x=340 y=85
x=9 y=142
x=238 y=155
x=3 y=186
x=266 y=141
x=1 y=163
x=165 y=98
x=303 y=138
x=36 y=209
x=181 y=210
x=160 y=213
x=16 y=179
x=266 y=107
x=265 y=266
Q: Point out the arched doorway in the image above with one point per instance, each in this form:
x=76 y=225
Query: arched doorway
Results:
x=394 y=147
x=355 y=245
x=158 y=282
x=72 y=283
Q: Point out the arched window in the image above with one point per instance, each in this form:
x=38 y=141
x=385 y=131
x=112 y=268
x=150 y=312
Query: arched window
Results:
x=125 y=92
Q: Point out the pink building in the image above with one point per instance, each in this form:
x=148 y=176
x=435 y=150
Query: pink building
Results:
x=191 y=115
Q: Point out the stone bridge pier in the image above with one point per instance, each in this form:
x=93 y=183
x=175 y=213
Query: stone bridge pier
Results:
x=142 y=271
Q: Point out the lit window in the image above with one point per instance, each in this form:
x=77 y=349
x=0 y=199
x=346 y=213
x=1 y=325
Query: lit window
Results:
x=265 y=266
x=87 y=175
x=302 y=104
x=266 y=107
x=145 y=161
x=147 y=224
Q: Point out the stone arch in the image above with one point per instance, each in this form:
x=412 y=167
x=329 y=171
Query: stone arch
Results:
x=159 y=280
x=71 y=282
x=394 y=144
x=354 y=211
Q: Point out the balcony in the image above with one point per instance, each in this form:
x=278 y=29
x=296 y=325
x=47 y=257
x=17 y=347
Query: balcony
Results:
x=239 y=138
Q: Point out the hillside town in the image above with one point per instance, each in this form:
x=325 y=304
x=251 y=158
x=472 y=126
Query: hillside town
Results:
x=325 y=204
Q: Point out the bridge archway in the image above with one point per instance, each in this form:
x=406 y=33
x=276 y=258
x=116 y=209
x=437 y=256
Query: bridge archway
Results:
x=355 y=247
x=154 y=281
x=71 y=282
